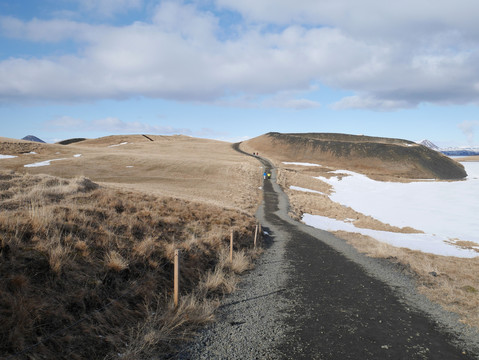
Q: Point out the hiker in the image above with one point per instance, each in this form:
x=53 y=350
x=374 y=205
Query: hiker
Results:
x=264 y=175
x=269 y=176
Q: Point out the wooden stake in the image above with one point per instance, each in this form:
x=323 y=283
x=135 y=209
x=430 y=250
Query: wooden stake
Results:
x=176 y=277
x=255 y=235
x=231 y=246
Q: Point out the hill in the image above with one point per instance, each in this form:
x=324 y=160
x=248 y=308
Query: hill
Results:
x=70 y=141
x=33 y=138
x=87 y=265
x=87 y=270
x=374 y=156
x=180 y=166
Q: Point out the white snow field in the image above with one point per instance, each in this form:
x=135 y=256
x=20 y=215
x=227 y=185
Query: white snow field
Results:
x=123 y=143
x=7 y=156
x=443 y=210
x=300 y=163
x=297 y=188
x=42 y=163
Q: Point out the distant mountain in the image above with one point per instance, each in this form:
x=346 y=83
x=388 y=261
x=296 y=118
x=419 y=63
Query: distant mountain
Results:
x=33 y=138
x=460 y=151
x=429 y=144
x=451 y=151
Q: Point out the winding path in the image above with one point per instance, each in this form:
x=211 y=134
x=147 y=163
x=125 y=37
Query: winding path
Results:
x=312 y=296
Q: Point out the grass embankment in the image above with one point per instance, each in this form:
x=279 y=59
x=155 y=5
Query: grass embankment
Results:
x=87 y=271
x=446 y=280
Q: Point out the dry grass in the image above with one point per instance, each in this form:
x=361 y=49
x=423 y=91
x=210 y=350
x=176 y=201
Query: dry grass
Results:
x=72 y=252
x=219 y=281
x=164 y=327
x=114 y=261
x=188 y=168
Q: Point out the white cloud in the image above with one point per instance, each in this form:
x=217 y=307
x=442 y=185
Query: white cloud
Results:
x=65 y=122
x=368 y=102
x=374 y=18
x=109 y=7
x=44 y=30
x=371 y=48
x=113 y=125
x=468 y=128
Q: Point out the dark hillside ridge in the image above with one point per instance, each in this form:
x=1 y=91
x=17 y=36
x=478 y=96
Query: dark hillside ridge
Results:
x=370 y=155
x=71 y=141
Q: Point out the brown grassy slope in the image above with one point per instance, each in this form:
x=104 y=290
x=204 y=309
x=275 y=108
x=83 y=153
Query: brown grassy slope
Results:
x=377 y=157
x=87 y=271
x=179 y=166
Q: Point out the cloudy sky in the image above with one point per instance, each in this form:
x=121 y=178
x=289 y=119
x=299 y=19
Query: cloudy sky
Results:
x=230 y=70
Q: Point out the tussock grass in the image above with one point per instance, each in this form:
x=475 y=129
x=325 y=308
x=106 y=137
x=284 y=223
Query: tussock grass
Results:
x=163 y=327
x=75 y=253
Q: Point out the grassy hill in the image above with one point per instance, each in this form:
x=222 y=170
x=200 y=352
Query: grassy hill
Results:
x=373 y=156
x=189 y=168
x=86 y=262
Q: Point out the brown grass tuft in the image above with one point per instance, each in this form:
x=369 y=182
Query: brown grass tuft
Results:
x=114 y=261
x=164 y=328
x=218 y=282
x=145 y=247
x=58 y=257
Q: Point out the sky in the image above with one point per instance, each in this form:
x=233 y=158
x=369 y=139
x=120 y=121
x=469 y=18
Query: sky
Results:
x=232 y=70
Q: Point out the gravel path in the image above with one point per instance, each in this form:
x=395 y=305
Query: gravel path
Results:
x=312 y=296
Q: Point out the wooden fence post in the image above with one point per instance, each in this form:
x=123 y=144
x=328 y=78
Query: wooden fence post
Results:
x=176 y=281
x=255 y=235
x=231 y=246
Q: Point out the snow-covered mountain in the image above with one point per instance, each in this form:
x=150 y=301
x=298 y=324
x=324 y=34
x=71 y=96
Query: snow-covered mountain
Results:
x=429 y=144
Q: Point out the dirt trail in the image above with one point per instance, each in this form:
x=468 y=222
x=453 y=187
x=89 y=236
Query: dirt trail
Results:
x=337 y=304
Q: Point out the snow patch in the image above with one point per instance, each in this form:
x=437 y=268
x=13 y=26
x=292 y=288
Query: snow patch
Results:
x=297 y=188
x=300 y=163
x=427 y=243
x=123 y=143
x=77 y=155
x=7 y=156
x=42 y=163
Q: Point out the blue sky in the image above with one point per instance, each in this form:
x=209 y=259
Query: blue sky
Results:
x=231 y=70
